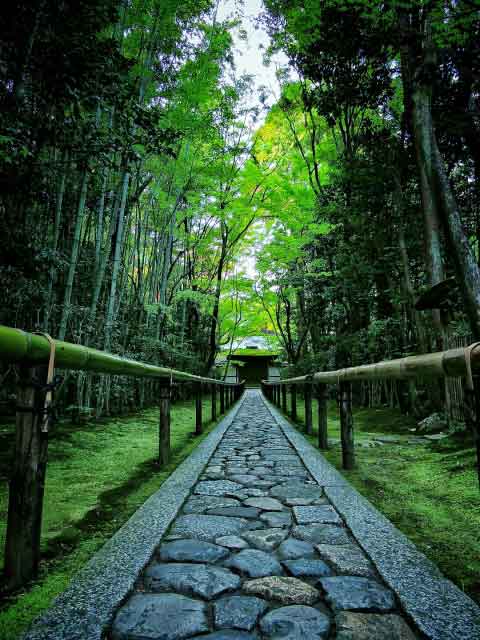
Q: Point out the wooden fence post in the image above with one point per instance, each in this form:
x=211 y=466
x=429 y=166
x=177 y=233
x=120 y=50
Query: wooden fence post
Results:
x=293 y=392
x=284 y=397
x=214 y=401
x=198 y=409
x=164 y=424
x=222 y=398
x=307 y=390
x=27 y=482
x=322 y=416
x=346 y=426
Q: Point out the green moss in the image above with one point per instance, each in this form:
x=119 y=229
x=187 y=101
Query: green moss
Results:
x=429 y=491
x=98 y=475
x=259 y=353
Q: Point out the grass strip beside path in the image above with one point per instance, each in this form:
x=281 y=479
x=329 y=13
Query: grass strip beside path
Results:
x=429 y=491
x=98 y=475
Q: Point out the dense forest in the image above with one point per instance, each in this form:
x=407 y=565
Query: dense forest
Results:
x=138 y=183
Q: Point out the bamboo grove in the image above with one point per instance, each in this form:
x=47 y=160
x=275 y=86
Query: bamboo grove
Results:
x=141 y=175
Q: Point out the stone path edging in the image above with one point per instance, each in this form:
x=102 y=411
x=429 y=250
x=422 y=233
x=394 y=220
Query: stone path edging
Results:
x=86 y=608
x=436 y=606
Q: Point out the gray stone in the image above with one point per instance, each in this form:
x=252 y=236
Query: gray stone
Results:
x=201 y=580
x=296 y=622
x=322 y=534
x=191 y=551
x=324 y=514
x=285 y=590
x=371 y=626
x=255 y=493
x=348 y=560
x=431 y=424
x=238 y=612
x=244 y=479
x=276 y=519
x=237 y=512
x=268 y=504
x=197 y=504
x=348 y=592
x=232 y=542
x=208 y=528
x=299 y=502
x=307 y=567
x=296 y=489
x=166 y=616
x=266 y=539
x=293 y=548
x=255 y=563
x=218 y=488
x=228 y=634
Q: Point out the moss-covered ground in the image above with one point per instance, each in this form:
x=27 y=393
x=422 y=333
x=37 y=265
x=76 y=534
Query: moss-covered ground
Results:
x=98 y=475
x=429 y=490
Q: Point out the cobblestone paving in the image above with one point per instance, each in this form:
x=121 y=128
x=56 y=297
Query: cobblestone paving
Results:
x=259 y=552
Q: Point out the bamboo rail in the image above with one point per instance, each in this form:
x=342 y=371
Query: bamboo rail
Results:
x=458 y=362
x=32 y=353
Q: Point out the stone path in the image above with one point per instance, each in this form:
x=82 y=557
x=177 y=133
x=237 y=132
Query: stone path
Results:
x=259 y=552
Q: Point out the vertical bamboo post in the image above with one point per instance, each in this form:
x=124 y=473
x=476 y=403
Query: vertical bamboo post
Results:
x=284 y=398
x=346 y=425
x=214 y=401
x=27 y=482
x=476 y=423
x=321 y=390
x=277 y=395
x=307 y=390
x=472 y=415
x=164 y=424
x=222 y=398
x=293 y=412
x=198 y=409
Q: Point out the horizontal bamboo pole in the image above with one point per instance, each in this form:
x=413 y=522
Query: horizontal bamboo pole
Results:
x=451 y=363
x=17 y=346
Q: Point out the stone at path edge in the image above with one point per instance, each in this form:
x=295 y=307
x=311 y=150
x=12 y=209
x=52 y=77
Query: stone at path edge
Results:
x=353 y=593
x=296 y=622
x=144 y=614
x=191 y=551
x=371 y=626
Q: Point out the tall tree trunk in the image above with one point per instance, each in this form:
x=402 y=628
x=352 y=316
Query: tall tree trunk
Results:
x=73 y=257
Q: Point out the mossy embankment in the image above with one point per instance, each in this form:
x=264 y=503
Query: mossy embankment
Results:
x=428 y=490
x=98 y=474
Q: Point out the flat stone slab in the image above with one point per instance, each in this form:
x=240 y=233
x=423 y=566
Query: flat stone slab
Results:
x=324 y=514
x=191 y=551
x=276 y=519
x=237 y=512
x=284 y=590
x=228 y=634
x=232 y=542
x=349 y=592
x=238 y=612
x=208 y=528
x=307 y=567
x=296 y=489
x=296 y=622
x=371 y=626
x=201 y=580
x=218 y=488
x=266 y=539
x=267 y=504
x=293 y=548
x=347 y=560
x=254 y=563
x=322 y=534
x=197 y=504
x=166 y=616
